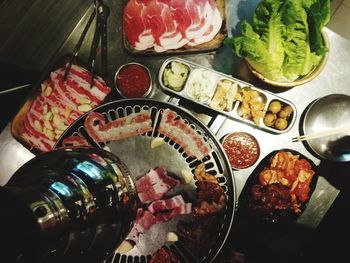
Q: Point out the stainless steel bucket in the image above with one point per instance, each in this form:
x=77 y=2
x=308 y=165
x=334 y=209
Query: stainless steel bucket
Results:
x=75 y=203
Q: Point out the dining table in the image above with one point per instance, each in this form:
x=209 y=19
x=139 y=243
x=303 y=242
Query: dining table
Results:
x=334 y=79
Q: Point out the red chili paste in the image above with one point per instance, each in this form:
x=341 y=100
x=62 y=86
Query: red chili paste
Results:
x=133 y=81
x=242 y=149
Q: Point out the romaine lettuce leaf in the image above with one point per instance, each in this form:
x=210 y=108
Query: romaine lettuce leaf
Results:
x=299 y=60
x=318 y=16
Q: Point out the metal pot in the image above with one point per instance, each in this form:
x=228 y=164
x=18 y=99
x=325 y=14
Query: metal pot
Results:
x=68 y=204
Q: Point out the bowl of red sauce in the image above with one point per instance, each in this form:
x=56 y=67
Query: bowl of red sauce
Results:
x=241 y=148
x=133 y=80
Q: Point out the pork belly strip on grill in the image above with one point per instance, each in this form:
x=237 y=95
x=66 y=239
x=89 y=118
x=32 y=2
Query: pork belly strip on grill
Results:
x=182 y=133
x=133 y=124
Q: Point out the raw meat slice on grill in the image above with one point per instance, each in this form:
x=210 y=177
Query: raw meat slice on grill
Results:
x=159 y=211
x=154 y=185
x=144 y=220
x=167 y=215
x=131 y=125
x=174 y=127
x=59 y=104
x=169 y=204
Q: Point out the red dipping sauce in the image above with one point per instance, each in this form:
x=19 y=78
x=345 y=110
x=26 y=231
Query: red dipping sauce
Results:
x=133 y=80
x=242 y=149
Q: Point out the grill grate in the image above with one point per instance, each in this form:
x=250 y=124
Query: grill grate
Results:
x=216 y=164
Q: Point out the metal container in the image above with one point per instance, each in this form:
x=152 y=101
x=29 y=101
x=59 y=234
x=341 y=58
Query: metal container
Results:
x=264 y=96
x=119 y=89
x=327 y=113
x=81 y=203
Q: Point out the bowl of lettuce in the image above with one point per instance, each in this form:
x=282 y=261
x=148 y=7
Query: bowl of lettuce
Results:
x=285 y=45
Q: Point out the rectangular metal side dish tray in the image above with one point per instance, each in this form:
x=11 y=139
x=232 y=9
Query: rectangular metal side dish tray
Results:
x=183 y=91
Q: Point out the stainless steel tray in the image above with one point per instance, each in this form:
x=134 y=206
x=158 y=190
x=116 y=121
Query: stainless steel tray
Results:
x=264 y=96
x=137 y=154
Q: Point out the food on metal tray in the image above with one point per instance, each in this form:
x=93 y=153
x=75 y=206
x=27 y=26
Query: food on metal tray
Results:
x=200 y=234
x=58 y=105
x=201 y=85
x=278 y=115
x=143 y=222
x=201 y=175
x=164 y=255
x=251 y=106
x=286 y=112
x=270 y=119
x=133 y=80
x=151 y=188
x=281 y=124
x=242 y=149
x=225 y=95
x=210 y=195
x=174 y=127
x=169 y=207
x=145 y=219
x=172 y=24
x=210 y=199
x=121 y=128
x=285 y=173
x=154 y=185
x=275 y=106
x=175 y=75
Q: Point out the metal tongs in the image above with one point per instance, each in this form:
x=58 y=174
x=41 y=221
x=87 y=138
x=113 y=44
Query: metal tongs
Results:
x=102 y=11
x=100 y=34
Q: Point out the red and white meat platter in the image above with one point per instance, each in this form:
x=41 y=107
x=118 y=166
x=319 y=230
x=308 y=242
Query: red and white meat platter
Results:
x=168 y=25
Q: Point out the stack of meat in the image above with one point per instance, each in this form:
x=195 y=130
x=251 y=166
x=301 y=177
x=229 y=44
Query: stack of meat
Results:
x=151 y=188
x=59 y=104
x=170 y=24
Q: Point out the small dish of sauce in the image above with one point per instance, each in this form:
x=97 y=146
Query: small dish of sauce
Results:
x=242 y=149
x=133 y=80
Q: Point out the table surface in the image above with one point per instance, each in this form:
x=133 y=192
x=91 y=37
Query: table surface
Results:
x=333 y=79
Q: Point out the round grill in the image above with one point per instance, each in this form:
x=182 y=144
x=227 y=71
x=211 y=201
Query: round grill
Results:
x=137 y=154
